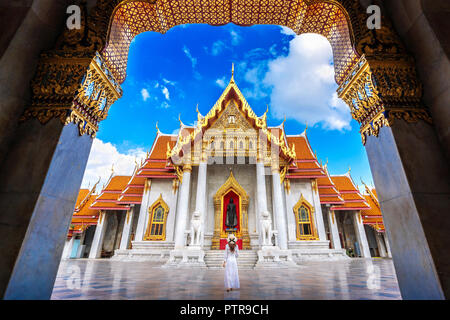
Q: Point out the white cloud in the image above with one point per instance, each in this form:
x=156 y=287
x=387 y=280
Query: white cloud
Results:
x=165 y=92
x=172 y=83
x=189 y=55
x=217 y=47
x=102 y=157
x=221 y=82
x=303 y=85
x=165 y=105
x=287 y=31
x=145 y=95
x=235 y=38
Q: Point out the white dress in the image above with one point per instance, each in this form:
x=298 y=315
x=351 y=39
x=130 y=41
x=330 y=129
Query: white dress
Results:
x=231 y=268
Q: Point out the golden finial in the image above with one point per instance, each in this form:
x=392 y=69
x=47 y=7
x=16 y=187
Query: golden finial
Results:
x=196 y=108
x=112 y=169
x=157 y=128
x=179 y=119
x=349 y=169
x=306 y=125
x=232 y=70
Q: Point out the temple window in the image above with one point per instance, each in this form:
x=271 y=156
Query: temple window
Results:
x=241 y=145
x=250 y=146
x=304 y=220
x=156 y=228
x=221 y=145
x=231 y=144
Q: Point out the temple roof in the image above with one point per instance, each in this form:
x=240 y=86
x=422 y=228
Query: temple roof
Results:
x=109 y=197
x=83 y=215
x=373 y=216
x=328 y=192
x=188 y=135
x=353 y=200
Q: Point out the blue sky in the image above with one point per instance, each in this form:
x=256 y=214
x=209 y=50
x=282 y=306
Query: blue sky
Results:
x=170 y=74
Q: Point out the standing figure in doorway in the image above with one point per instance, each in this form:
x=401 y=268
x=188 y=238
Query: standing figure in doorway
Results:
x=230 y=264
x=231 y=219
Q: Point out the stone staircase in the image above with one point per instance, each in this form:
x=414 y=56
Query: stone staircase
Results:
x=246 y=260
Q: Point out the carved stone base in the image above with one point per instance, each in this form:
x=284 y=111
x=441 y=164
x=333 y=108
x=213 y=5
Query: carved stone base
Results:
x=186 y=258
x=274 y=257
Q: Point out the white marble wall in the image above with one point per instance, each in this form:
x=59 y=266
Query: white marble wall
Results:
x=158 y=187
x=299 y=188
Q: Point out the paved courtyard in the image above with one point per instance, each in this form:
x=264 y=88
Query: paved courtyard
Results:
x=106 y=279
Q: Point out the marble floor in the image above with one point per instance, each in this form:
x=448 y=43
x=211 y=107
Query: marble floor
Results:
x=105 y=279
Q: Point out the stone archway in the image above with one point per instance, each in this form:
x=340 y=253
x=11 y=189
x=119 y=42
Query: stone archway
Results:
x=377 y=79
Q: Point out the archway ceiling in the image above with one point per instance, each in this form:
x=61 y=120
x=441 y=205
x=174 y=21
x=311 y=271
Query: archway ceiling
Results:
x=324 y=18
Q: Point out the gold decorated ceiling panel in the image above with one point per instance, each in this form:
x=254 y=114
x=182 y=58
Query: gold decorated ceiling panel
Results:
x=135 y=17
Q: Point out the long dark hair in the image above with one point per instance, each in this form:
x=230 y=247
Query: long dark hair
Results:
x=232 y=245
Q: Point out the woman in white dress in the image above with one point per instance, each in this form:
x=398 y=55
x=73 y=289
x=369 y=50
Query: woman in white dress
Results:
x=230 y=265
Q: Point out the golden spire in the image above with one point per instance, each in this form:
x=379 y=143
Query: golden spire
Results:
x=157 y=128
x=179 y=119
x=232 y=72
x=112 y=169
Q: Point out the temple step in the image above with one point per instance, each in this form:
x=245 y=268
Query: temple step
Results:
x=246 y=260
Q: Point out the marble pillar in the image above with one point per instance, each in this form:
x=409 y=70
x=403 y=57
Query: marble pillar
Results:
x=143 y=213
x=320 y=225
x=40 y=180
x=182 y=209
x=361 y=235
x=81 y=246
x=67 y=248
x=261 y=188
x=412 y=178
x=380 y=244
x=126 y=231
x=388 y=248
x=200 y=199
x=97 y=242
x=280 y=214
x=334 y=232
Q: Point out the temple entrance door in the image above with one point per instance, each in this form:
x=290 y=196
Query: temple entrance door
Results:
x=231 y=192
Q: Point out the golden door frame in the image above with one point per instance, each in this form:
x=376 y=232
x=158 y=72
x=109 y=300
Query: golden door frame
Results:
x=231 y=185
x=312 y=217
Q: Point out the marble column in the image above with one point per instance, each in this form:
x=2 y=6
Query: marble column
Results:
x=412 y=178
x=97 y=242
x=67 y=248
x=81 y=246
x=143 y=213
x=320 y=225
x=388 y=248
x=126 y=232
x=334 y=232
x=182 y=208
x=200 y=199
x=40 y=180
x=380 y=244
x=361 y=235
x=280 y=214
x=261 y=195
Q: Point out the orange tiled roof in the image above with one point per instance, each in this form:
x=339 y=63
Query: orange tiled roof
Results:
x=353 y=200
x=373 y=215
x=109 y=197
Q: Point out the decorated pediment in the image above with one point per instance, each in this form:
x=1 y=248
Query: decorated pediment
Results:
x=231 y=119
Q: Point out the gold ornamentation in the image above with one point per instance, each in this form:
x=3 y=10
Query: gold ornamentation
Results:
x=378 y=92
x=156 y=227
x=73 y=90
x=310 y=209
